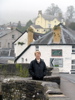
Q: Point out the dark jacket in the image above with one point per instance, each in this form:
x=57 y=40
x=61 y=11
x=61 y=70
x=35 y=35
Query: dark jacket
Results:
x=37 y=70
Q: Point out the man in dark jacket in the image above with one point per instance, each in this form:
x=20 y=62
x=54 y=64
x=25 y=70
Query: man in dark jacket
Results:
x=37 y=67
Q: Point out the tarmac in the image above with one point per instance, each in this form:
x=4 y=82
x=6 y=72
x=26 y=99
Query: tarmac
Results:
x=67 y=85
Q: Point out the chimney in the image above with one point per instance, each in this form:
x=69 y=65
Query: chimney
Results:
x=56 y=34
x=30 y=35
x=40 y=12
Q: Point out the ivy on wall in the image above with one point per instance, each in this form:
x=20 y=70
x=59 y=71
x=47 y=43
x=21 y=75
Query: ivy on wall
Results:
x=22 y=72
x=21 y=43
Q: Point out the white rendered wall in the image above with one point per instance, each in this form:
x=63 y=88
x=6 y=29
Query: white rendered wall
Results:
x=46 y=55
x=19 y=48
x=29 y=55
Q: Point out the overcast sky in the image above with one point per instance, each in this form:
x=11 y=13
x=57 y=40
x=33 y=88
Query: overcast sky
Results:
x=23 y=10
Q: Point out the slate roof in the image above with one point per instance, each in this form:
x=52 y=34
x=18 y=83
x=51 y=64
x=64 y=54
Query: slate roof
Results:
x=4 y=32
x=48 y=17
x=35 y=36
x=67 y=37
x=7 y=31
x=44 y=39
x=51 y=17
x=36 y=26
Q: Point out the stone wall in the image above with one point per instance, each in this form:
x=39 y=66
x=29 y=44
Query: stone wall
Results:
x=22 y=90
x=19 y=88
x=27 y=89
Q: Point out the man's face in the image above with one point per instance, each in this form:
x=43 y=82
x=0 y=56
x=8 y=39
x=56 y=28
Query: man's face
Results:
x=37 y=55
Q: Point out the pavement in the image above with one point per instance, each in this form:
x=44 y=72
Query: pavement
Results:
x=67 y=85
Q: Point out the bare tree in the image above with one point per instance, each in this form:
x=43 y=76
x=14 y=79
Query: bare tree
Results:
x=70 y=12
x=53 y=10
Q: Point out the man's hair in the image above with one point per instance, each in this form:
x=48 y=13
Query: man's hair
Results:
x=37 y=52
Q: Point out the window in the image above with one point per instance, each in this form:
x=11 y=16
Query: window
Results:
x=56 y=62
x=56 y=52
x=73 y=61
x=13 y=36
x=36 y=48
x=73 y=49
x=73 y=46
x=12 y=45
x=22 y=60
x=73 y=64
x=8 y=45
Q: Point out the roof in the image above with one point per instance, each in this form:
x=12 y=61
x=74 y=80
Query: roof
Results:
x=67 y=37
x=35 y=36
x=4 y=32
x=7 y=31
x=36 y=26
x=48 y=17
x=44 y=39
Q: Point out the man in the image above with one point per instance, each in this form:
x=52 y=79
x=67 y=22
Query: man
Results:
x=37 y=67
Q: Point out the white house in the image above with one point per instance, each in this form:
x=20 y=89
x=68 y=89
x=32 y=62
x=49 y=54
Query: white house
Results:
x=57 y=48
x=54 y=56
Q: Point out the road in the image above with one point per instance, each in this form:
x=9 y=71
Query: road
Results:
x=70 y=77
x=67 y=85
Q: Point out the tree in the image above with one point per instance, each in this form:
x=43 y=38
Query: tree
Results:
x=28 y=24
x=53 y=10
x=72 y=25
x=70 y=12
x=22 y=29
